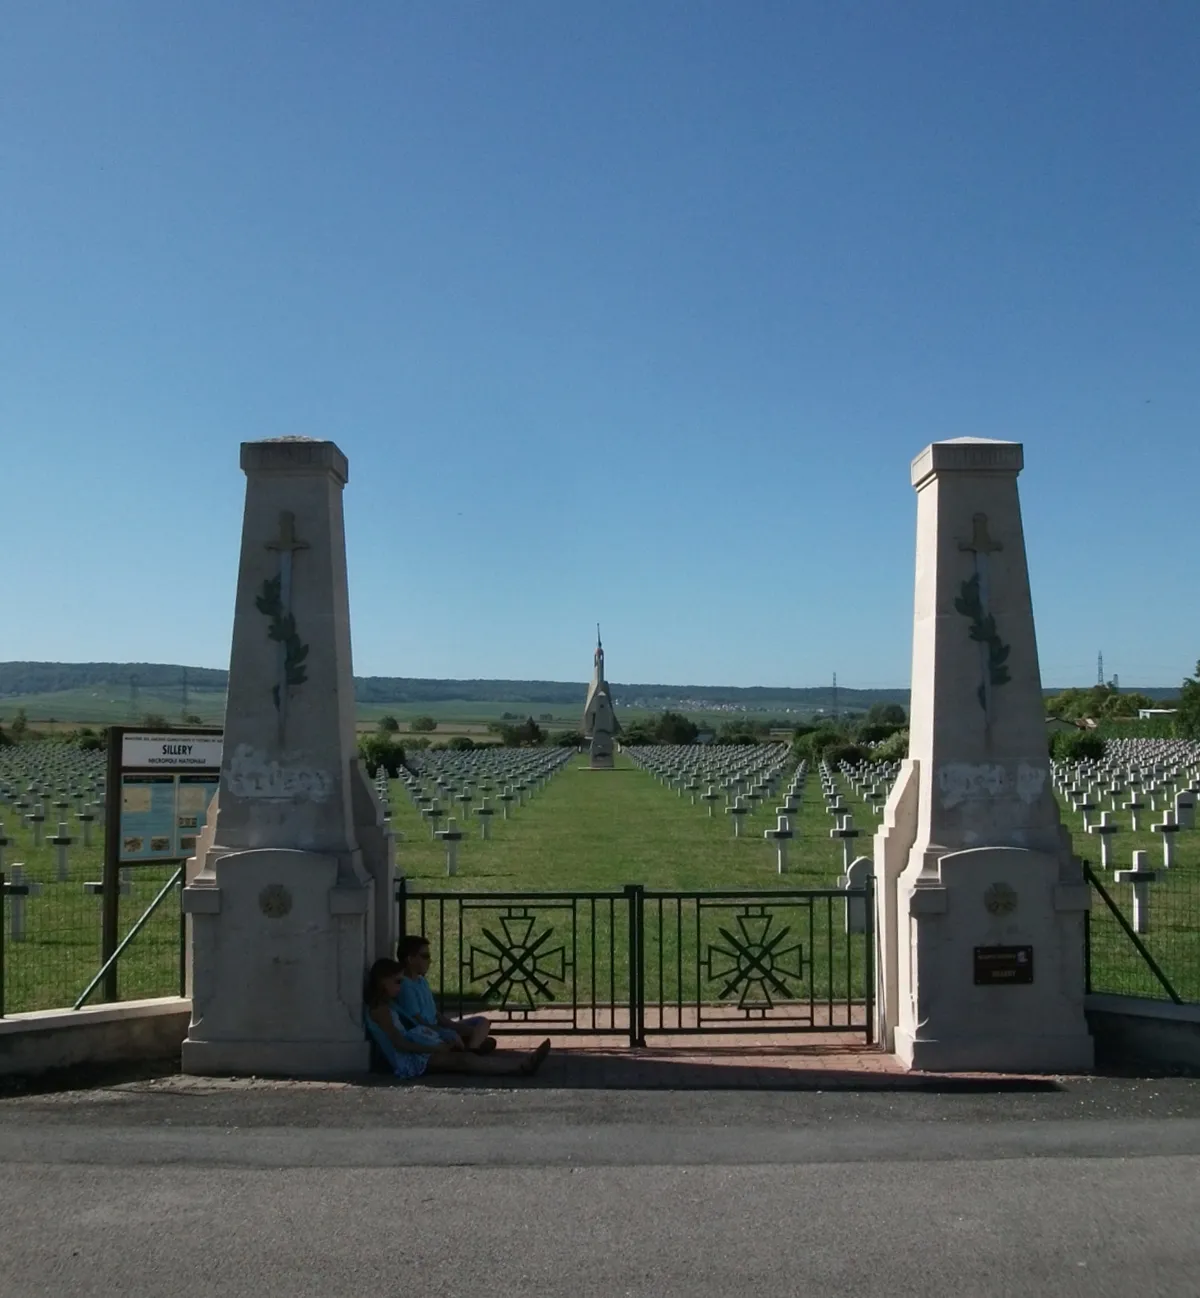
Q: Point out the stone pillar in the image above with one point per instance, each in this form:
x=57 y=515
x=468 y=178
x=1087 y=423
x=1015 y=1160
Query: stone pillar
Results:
x=976 y=881
x=290 y=892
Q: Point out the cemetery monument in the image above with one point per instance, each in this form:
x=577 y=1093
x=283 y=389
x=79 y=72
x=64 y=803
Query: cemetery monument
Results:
x=981 y=900
x=600 y=722
x=289 y=896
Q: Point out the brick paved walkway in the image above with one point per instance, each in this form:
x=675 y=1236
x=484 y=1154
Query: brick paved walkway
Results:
x=703 y=1062
x=821 y=1061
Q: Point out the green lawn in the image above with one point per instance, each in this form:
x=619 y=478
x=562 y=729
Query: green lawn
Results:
x=604 y=829
x=598 y=831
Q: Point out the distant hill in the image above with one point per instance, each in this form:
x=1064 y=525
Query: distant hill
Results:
x=167 y=681
x=47 y=678
x=119 y=691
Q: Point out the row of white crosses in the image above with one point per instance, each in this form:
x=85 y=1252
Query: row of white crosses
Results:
x=698 y=770
x=692 y=768
x=45 y=782
x=1135 y=776
x=755 y=786
x=873 y=780
x=749 y=774
x=743 y=776
x=843 y=821
x=511 y=775
x=1168 y=790
x=50 y=783
x=856 y=872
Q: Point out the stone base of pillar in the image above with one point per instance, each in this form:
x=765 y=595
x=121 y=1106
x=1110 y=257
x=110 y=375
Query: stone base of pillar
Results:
x=600 y=764
x=279 y=945
x=996 y=1053
x=992 y=980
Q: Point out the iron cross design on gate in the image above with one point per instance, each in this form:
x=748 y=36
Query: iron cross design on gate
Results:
x=753 y=963
x=275 y=603
x=974 y=603
x=519 y=964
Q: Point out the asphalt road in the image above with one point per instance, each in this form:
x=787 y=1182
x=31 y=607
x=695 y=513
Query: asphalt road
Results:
x=208 y=1189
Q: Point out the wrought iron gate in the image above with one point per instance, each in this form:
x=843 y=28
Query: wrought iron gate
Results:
x=641 y=961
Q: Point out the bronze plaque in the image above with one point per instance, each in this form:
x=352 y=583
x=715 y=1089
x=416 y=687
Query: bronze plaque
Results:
x=998 y=966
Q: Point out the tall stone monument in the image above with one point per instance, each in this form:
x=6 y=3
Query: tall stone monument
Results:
x=289 y=896
x=600 y=723
x=981 y=900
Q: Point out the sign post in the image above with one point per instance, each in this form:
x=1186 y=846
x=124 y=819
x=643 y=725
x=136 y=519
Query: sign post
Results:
x=159 y=786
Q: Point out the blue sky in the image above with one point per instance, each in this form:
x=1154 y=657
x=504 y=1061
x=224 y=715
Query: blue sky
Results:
x=633 y=312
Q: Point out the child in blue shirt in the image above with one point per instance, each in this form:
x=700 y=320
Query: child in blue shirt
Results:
x=413 y=1049
x=417 y=1007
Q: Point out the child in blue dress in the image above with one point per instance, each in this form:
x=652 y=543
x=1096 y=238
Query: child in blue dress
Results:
x=418 y=1008
x=413 y=1049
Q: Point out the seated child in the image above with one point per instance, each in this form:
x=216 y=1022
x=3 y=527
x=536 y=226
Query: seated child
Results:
x=412 y=1049
x=417 y=1006
x=406 y=1050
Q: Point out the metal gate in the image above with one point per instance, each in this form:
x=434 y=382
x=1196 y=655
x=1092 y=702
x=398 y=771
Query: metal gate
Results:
x=640 y=961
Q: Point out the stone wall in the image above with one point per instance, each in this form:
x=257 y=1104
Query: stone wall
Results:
x=1134 y=1033
x=132 y=1030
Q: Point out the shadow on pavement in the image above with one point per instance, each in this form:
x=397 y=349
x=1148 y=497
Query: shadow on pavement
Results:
x=721 y=1069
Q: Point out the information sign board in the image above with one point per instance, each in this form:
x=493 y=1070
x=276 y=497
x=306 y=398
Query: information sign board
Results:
x=159 y=787
x=166 y=782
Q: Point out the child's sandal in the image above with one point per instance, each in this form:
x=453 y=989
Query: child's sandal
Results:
x=531 y=1065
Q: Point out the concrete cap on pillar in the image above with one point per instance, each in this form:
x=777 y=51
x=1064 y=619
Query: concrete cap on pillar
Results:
x=968 y=455
x=295 y=455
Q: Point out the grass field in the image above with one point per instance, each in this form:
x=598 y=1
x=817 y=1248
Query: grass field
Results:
x=603 y=829
x=598 y=831
x=595 y=831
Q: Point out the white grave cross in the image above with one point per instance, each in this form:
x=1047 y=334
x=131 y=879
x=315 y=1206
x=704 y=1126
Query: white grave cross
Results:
x=17 y=890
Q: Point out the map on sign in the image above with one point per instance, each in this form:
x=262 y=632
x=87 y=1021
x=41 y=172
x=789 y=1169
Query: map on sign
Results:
x=167 y=783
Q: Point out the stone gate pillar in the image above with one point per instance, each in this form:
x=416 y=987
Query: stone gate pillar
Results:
x=981 y=901
x=290 y=893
